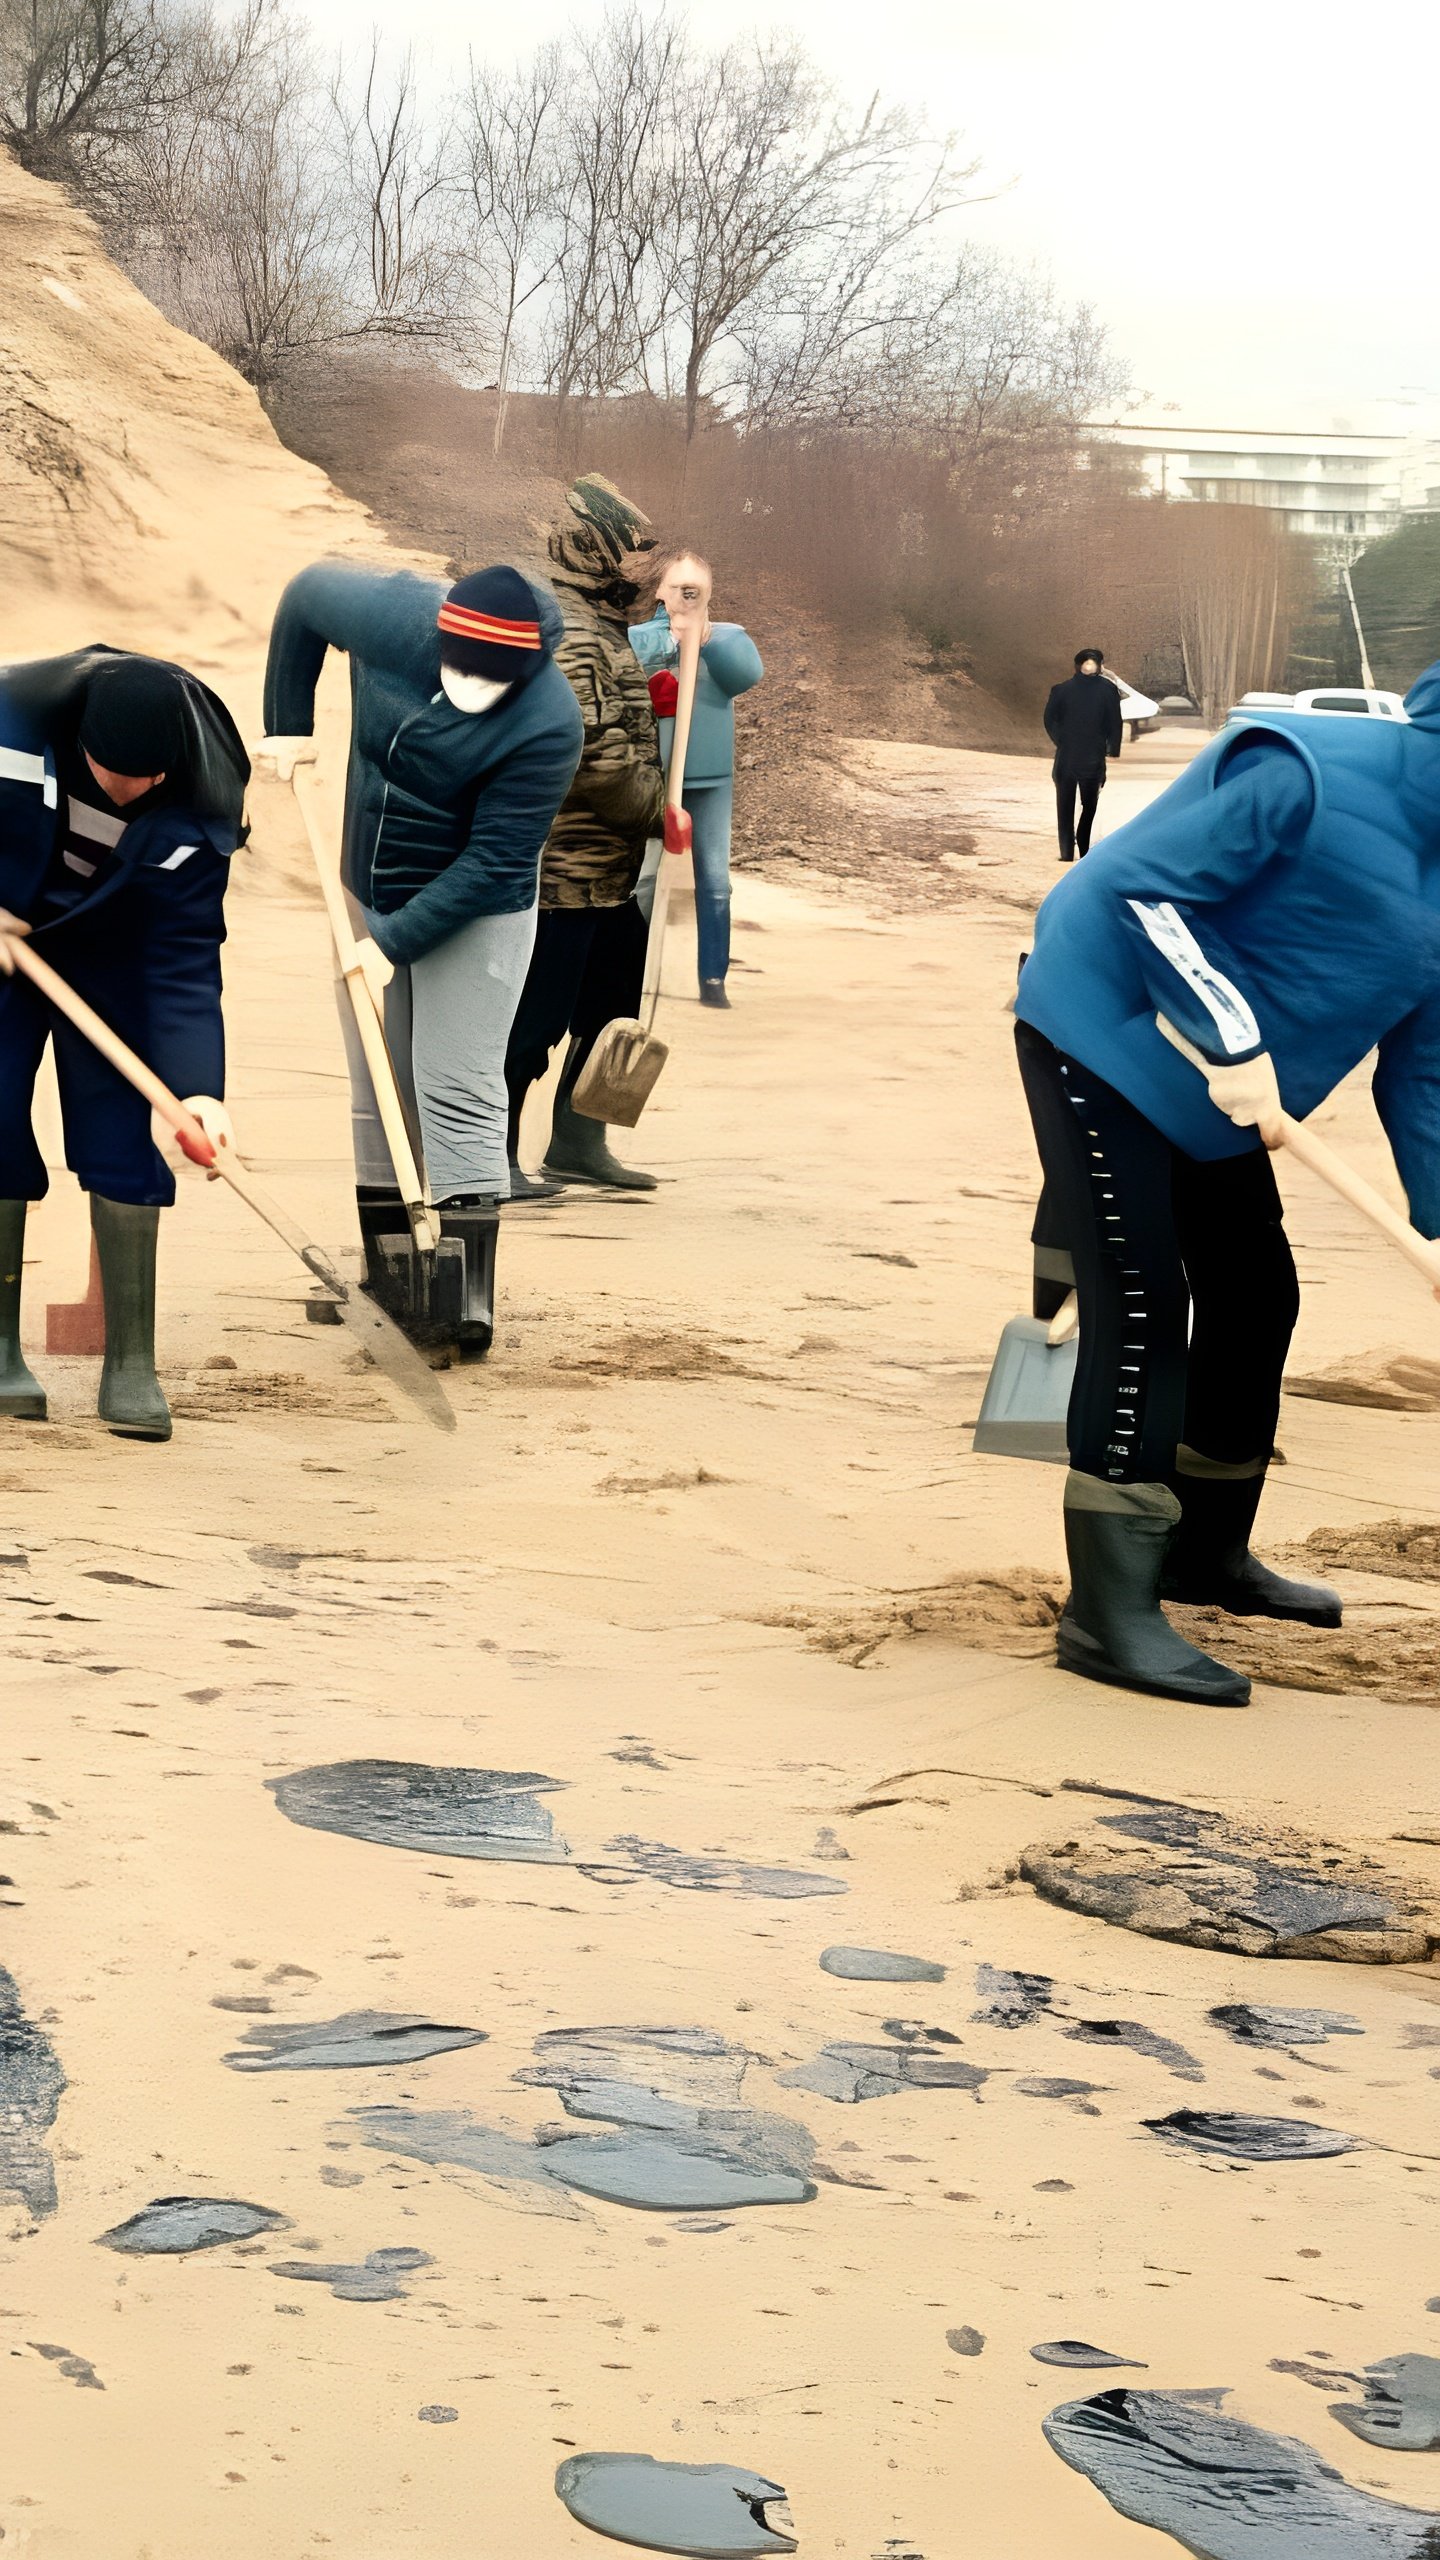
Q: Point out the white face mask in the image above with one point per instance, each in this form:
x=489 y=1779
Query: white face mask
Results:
x=470 y=693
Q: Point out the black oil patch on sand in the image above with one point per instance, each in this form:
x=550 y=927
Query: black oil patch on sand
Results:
x=31 y=2081
x=361 y=2039
x=407 y=1804
x=1010 y=1999
x=710 y=2510
x=1252 y=2022
x=375 y=2279
x=1136 y=2039
x=1079 y=2356
x=173 y=2225
x=654 y=1858
x=873 y=1964
x=1261 y=2141
x=1225 y=2490
x=1401 y=2407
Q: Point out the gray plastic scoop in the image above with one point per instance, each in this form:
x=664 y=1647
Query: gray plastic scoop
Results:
x=1027 y=1396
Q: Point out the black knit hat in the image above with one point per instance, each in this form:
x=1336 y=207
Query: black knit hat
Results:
x=490 y=626
x=133 y=718
x=1082 y=654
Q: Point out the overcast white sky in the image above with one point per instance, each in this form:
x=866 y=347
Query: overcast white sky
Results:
x=1247 y=193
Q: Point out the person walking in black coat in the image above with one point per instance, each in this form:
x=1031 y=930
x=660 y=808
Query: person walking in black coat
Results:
x=1083 y=724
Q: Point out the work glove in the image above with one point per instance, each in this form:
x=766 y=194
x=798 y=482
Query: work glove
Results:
x=1248 y=1094
x=281 y=755
x=214 y=1119
x=378 y=970
x=679 y=836
x=9 y=925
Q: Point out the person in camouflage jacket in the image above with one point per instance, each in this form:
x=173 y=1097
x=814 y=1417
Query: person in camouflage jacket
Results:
x=589 y=958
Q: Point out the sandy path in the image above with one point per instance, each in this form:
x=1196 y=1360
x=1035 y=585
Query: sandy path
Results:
x=708 y=1413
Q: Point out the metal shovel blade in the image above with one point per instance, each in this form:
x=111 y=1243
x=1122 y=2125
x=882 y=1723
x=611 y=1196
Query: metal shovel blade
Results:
x=1028 y=1395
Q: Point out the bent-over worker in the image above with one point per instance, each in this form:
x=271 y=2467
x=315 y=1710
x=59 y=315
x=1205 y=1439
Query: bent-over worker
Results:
x=122 y=786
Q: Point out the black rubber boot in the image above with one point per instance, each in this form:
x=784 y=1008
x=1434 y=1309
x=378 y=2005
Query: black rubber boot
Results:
x=1114 y=1628
x=712 y=992
x=21 y=1394
x=578 y=1151
x=1209 y=1562
x=475 y=1220
x=533 y=1186
x=381 y=1212
x=131 y=1398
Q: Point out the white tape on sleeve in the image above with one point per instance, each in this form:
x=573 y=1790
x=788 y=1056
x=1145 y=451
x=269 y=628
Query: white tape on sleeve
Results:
x=1235 y=1024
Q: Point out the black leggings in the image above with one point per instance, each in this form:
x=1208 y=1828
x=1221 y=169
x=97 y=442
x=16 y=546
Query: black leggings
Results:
x=587 y=969
x=1164 y=1247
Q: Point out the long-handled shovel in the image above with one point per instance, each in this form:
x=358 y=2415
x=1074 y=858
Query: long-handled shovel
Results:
x=624 y=1066
x=384 y=1341
x=415 y=1196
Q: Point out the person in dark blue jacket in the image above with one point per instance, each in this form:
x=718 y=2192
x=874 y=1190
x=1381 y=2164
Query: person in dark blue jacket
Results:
x=1279 y=907
x=464 y=739
x=122 y=785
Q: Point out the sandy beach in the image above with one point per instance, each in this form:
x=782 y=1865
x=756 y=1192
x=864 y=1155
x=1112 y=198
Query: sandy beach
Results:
x=709 y=1560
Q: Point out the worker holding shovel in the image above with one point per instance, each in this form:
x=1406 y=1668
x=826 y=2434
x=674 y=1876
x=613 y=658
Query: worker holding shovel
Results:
x=122 y=783
x=1219 y=964
x=464 y=738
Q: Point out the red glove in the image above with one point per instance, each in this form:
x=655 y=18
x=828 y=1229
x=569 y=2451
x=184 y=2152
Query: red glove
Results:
x=677 y=830
x=664 y=693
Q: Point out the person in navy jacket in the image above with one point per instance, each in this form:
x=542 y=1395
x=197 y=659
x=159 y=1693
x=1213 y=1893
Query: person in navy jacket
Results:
x=464 y=738
x=122 y=785
x=1279 y=906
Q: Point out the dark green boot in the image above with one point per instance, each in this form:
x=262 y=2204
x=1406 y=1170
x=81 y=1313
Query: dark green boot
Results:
x=131 y=1399
x=578 y=1151
x=21 y=1395
x=1114 y=1627
x=1210 y=1563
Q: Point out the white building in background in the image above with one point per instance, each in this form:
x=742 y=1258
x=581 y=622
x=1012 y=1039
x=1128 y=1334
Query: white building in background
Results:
x=1346 y=490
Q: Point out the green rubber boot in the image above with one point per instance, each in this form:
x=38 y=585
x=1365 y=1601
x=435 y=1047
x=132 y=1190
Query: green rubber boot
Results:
x=21 y=1395
x=1113 y=1628
x=578 y=1149
x=131 y=1398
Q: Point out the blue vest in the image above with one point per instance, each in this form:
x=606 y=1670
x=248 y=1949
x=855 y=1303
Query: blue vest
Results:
x=1329 y=929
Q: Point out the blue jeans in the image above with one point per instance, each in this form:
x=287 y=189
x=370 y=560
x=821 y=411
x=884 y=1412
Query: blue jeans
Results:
x=710 y=805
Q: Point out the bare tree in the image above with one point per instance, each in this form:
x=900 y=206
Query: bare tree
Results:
x=393 y=172
x=771 y=190
x=607 y=302
x=508 y=143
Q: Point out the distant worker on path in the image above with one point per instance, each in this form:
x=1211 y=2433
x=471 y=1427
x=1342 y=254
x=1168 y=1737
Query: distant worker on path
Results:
x=1279 y=906
x=589 y=963
x=122 y=787
x=463 y=739
x=1084 y=725
x=729 y=665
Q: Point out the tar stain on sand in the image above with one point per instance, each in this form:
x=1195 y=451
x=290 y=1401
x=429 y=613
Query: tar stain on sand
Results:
x=174 y=2225
x=1177 y=1872
x=850 y=2073
x=1010 y=1999
x=407 y=1804
x=872 y=1964
x=375 y=2279
x=1401 y=2407
x=705 y=1874
x=1225 y=2490
x=363 y=2038
x=1136 y=2039
x=1259 y=2141
x=1078 y=2356
x=711 y=2510
x=31 y=2081
x=1250 y=2022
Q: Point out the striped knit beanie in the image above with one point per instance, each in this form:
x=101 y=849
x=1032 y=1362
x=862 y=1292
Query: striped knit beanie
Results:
x=489 y=626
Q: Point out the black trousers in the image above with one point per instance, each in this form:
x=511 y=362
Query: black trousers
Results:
x=1186 y=1283
x=587 y=969
x=1089 y=786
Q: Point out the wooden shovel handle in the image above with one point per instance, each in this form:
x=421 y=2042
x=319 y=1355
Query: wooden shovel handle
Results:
x=690 y=646
x=197 y=1145
x=1341 y=1177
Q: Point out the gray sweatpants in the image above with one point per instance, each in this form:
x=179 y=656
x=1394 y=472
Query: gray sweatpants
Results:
x=447 y=1026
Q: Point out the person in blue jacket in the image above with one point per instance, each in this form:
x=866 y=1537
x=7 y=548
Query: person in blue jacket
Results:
x=122 y=788
x=464 y=738
x=1279 y=907
x=729 y=665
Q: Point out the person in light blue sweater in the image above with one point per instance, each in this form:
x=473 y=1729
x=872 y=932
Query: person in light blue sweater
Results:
x=1279 y=907
x=729 y=665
